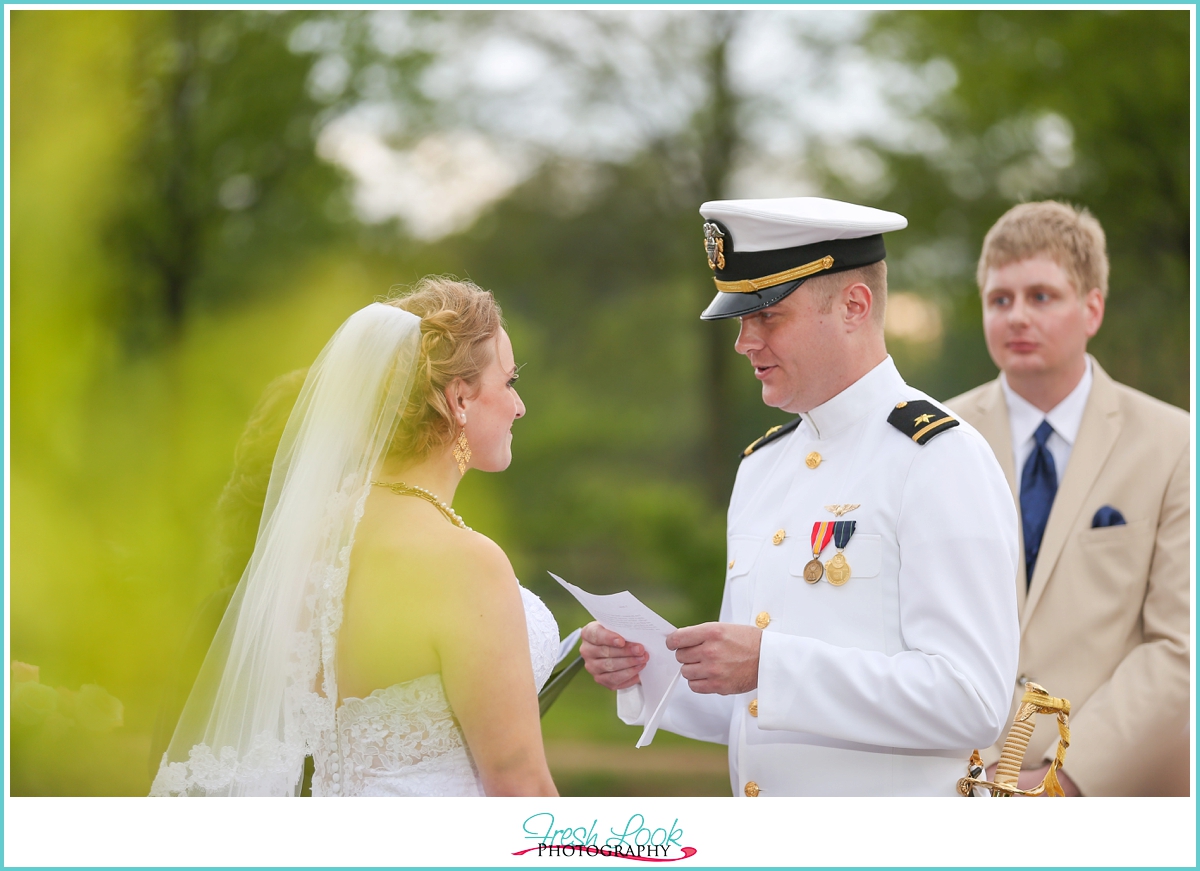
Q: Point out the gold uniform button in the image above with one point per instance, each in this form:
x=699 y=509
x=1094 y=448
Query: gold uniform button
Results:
x=751 y=789
x=901 y=404
x=763 y=620
x=812 y=460
x=778 y=537
x=754 y=708
x=731 y=562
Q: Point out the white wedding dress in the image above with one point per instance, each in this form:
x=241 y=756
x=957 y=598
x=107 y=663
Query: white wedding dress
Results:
x=405 y=739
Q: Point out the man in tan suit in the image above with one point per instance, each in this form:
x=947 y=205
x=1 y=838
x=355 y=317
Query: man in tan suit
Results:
x=1100 y=474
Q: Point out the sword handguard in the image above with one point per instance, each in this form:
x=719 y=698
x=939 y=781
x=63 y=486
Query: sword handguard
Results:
x=1035 y=701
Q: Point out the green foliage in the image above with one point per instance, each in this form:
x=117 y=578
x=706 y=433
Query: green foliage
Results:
x=32 y=703
x=1090 y=107
x=223 y=180
x=53 y=716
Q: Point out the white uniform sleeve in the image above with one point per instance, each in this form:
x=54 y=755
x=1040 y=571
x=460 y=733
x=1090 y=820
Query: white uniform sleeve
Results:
x=704 y=717
x=950 y=687
x=630 y=702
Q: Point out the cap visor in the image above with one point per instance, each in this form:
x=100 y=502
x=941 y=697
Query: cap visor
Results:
x=734 y=305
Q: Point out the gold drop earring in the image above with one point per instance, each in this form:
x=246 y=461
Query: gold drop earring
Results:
x=462 y=451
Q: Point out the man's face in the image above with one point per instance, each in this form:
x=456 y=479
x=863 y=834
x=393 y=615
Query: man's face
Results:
x=791 y=346
x=1034 y=320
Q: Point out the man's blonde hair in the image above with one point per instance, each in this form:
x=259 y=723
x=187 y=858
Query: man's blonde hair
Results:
x=873 y=275
x=1069 y=236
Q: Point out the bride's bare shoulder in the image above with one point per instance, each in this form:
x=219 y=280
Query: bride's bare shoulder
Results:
x=421 y=548
x=462 y=584
x=471 y=557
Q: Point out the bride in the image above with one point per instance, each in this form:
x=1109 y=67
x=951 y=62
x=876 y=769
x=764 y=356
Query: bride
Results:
x=372 y=629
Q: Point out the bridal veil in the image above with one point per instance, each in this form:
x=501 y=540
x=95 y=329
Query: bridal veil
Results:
x=266 y=695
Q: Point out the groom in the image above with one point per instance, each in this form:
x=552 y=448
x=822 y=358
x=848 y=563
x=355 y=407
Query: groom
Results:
x=868 y=636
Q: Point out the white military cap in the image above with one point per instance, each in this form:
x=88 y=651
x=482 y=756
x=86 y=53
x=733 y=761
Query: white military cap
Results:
x=762 y=250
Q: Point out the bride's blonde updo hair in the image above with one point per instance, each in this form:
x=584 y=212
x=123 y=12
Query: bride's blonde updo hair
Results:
x=459 y=324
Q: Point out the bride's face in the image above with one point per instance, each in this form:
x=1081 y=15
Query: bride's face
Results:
x=491 y=409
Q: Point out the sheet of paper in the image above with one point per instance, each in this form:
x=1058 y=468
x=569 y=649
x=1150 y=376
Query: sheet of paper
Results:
x=633 y=621
x=567 y=645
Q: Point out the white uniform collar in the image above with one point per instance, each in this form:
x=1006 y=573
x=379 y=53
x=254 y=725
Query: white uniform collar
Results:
x=1025 y=417
x=864 y=396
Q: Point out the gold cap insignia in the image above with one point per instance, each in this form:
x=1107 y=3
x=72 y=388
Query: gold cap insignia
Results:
x=714 y=246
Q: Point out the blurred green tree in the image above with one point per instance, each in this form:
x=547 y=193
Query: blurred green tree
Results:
x=223 y=182
x=1005 y=106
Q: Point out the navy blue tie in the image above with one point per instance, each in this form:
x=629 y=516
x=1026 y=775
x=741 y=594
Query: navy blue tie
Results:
x=1039 y=483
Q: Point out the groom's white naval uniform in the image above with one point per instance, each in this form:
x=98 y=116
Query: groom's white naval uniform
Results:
x=883 y=685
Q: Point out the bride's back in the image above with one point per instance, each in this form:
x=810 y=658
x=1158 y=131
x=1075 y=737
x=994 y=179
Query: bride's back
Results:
x=413 y=567
x=408 y=571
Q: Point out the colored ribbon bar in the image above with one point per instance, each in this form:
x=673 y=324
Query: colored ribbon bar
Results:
x=822 y=531
x=842 y=531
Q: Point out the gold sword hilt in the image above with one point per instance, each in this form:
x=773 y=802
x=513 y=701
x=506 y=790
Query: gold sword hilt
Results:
x=1035 y=701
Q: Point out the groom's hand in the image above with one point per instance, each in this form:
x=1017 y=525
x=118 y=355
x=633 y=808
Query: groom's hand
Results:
x=718 y=657
x=610 y=659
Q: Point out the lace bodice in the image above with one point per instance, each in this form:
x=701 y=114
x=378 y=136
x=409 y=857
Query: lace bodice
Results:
x=543 y=636
x=405 y=739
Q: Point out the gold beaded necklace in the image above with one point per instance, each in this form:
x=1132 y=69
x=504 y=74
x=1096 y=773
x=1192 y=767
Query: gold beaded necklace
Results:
x=402 y=489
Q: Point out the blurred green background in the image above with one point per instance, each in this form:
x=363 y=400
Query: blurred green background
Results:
x=198 y=199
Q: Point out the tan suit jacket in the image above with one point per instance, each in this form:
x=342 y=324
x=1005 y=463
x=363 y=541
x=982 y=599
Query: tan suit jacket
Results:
x=1105 y=622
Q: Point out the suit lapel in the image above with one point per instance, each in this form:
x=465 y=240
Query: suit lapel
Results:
x=992 y=424
x=991 y=419
x=1098 y=433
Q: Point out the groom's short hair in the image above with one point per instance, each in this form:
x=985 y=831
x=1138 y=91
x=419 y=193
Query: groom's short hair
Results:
x=874 y=275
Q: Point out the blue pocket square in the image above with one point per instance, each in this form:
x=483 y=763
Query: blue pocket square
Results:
x=1108 y=516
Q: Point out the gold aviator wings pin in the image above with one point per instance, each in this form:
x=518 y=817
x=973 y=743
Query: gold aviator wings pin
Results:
x=839 y=510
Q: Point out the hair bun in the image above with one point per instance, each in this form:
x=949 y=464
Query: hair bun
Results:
x=438 y=328
x=459 y=320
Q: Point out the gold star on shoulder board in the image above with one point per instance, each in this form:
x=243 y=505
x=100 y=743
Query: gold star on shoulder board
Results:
x=775 y=432
x=920 y=419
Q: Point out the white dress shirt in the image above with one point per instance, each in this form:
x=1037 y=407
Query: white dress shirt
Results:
x=882 y=686
x=1024 y=418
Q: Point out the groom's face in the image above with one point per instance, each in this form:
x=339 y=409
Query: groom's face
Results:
x=791 y=347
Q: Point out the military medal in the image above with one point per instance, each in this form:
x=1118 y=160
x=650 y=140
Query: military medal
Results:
x=837 y=570
x=822 y=531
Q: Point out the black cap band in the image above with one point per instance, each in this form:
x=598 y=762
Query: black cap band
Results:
x=752 y=272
